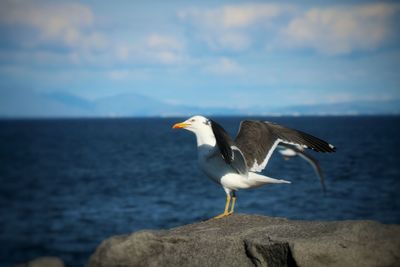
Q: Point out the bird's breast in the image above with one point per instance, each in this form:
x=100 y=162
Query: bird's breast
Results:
x=213 y=165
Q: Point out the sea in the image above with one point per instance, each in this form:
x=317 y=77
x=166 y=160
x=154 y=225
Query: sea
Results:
x=68 y=184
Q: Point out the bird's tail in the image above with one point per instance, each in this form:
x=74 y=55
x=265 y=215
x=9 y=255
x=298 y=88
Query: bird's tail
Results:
x=260 y=180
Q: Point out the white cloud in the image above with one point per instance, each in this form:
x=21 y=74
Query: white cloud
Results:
x=68 y=33
x=47 y=26
x=164 y=48
x=234 y=16
x=227 y=27
x=118 y=74
x=152 y=49
x=245 y=15
x=127 y=74
x=231 y=40
x=328 y=30
x=224 y=66
x=340 y=30
x=158 y=41
x=68 y=24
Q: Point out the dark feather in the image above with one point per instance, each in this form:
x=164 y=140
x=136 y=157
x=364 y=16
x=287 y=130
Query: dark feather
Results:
x=229 y=152
x=224 y=141
x=299 y=137
x=256 y=138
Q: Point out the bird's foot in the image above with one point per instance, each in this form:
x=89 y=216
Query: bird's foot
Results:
x=222 y=215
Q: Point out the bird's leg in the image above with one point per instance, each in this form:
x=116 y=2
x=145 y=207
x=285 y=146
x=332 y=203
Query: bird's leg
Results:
x=225 y=213
x=233 y=202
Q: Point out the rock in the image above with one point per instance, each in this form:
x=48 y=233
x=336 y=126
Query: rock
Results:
x=250 y=240
x=44 y=262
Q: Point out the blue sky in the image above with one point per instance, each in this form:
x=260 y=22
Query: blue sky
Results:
x=203 y=53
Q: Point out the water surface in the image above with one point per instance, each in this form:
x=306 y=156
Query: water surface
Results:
x=68 y=184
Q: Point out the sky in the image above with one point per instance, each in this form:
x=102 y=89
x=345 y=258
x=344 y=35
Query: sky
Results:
x=231 y=54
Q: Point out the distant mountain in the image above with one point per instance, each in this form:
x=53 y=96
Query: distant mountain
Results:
x=139 y=105
x=72 y=101
x=27 y=103
x=133 y=105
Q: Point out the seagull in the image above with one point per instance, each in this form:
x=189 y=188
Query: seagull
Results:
x=235 y=164
x=289 y=151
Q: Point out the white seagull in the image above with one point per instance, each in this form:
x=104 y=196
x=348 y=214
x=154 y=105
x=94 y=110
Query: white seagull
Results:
x=234 y=163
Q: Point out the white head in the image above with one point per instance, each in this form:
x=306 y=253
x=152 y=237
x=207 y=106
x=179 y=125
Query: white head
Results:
x=194 y=124
x=200 y=126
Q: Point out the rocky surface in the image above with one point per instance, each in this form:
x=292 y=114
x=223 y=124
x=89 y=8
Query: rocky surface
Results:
x=249 y=240
x=44 y=262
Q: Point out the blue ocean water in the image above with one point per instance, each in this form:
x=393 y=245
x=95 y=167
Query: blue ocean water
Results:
x=65 y=185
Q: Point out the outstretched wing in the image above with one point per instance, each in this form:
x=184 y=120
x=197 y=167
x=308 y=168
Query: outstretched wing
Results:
x=258 y=139
x=296 y=151
x=229 y=152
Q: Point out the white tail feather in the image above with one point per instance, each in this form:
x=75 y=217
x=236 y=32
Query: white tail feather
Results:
x=261 y=179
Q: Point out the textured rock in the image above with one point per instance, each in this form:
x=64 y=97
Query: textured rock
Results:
x=249 y=240
x=44 y=262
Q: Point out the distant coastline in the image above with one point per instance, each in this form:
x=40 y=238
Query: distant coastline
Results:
x=62 y=105
x=22 y=118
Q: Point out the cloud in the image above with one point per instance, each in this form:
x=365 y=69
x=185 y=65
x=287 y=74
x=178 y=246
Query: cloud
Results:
x=329 y=30
x=227 y=27
x=158 y=41
x=67 y=24
x=64 y=34
x=164 y=48
x=151 y=49
x=234 y=16
x=224 y=66
x=127 y=74
x=340 y=30
x=59 y=33
x=118 y=74
x=246 y=15
x=234 y=41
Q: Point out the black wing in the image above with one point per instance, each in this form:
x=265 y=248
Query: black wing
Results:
x=258 y=139
x=229 y=152
x=224 y=141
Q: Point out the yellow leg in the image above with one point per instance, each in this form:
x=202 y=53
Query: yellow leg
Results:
x=225 y=213
x=233 y=204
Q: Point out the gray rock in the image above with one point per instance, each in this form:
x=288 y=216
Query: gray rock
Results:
x=44 y=262
x=250 y=240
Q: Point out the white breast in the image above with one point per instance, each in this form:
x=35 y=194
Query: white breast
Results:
x=212 y=163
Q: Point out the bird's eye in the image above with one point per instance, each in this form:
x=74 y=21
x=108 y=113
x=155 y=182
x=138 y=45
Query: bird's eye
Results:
x=207 y=122
x=192 y=120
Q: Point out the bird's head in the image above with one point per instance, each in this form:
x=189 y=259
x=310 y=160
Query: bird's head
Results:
x=194 y=124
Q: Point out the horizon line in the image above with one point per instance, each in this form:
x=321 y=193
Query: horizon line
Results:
x=4 y=118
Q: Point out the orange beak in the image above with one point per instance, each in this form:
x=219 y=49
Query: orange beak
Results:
x=180 y=125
